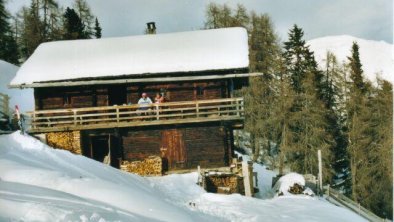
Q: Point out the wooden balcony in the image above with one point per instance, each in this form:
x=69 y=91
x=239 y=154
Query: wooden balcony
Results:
x=230 y=109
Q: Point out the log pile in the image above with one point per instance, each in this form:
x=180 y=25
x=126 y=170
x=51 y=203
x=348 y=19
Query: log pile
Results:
x=232 y=179
x=296 y=189
x=151 y=166
x=65 y=140
x=224 y=183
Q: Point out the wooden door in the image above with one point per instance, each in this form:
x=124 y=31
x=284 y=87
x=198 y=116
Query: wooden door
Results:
x=173 y=149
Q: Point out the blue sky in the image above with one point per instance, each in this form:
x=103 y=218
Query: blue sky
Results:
x=369 y=19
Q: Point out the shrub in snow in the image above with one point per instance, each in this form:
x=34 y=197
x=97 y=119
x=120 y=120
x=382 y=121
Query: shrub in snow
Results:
x=292 y=184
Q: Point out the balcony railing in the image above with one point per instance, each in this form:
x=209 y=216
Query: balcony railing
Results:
x=136 y=115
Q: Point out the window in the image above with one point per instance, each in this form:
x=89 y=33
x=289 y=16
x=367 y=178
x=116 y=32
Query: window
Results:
x=66 y=100
x=200 y=91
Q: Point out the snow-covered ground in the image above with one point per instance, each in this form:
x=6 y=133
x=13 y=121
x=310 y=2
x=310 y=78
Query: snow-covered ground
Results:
x=376 y=56
x=38 y=183
x=23 y=98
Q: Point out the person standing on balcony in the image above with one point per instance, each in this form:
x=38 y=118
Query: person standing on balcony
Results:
x=159 y=98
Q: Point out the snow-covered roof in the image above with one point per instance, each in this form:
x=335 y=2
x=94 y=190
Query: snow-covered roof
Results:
x=203 y=50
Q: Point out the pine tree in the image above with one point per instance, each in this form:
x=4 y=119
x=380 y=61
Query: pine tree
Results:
x=8 y=46
x=376 y=173
x=356 y=108
x=74 y=29
x=259 y=97
x=39 y=23
x=369 y=131
x=296 y=55
x=97 y=29
x=264 y=56
x=356 y=73
x=309 y=124
x=48 y=6
x=87 y=18
x=308 y=128
x=221 y=16
x=282 y=115
x=334 y=98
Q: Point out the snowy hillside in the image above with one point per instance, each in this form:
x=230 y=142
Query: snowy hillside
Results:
x=38 y=183
x=376 y=57
x=23 y=98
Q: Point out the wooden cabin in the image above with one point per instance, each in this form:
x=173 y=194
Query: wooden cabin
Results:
x=86 y=94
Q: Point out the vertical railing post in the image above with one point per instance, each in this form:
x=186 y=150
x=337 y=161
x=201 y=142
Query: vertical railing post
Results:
x=75 y=117
x=33 y=123
x=117 y=114
x=197 y=109
x=157 y=111
x=237 y=102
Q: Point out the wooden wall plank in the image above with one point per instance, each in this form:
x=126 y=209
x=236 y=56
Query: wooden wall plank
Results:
x=76 y=97
x=203 y=145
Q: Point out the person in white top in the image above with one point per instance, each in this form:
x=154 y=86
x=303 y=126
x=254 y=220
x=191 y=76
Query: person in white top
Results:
x=144 y=102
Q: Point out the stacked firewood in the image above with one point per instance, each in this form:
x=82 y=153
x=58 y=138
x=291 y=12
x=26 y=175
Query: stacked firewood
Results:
x=151 y=166
x=296 y=189
x=216 y=183
x=63 y=140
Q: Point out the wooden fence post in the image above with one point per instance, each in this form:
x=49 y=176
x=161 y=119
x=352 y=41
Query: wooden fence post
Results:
x=246 y=177
x=320 y=172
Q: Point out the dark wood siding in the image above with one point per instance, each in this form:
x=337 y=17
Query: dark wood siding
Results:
x=138 y=145
x=70 y=97
x=88 y=96
x=182 y=91
x=206 y=146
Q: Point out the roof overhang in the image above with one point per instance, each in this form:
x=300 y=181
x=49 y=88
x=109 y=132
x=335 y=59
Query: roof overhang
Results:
x=135 y=80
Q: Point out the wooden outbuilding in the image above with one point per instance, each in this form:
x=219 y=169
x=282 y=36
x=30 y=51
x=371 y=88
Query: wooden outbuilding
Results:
x=87 y=92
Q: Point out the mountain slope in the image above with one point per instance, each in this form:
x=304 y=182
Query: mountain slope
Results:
x=21 y=97
x=376 y=57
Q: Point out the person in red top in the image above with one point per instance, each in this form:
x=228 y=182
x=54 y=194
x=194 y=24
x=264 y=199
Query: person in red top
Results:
x=159 y=98
x=20 y=119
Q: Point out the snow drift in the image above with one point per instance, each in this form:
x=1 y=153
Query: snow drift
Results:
x=39 y=183
x=376 y=57
x=23 y=98
x=61 y=176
